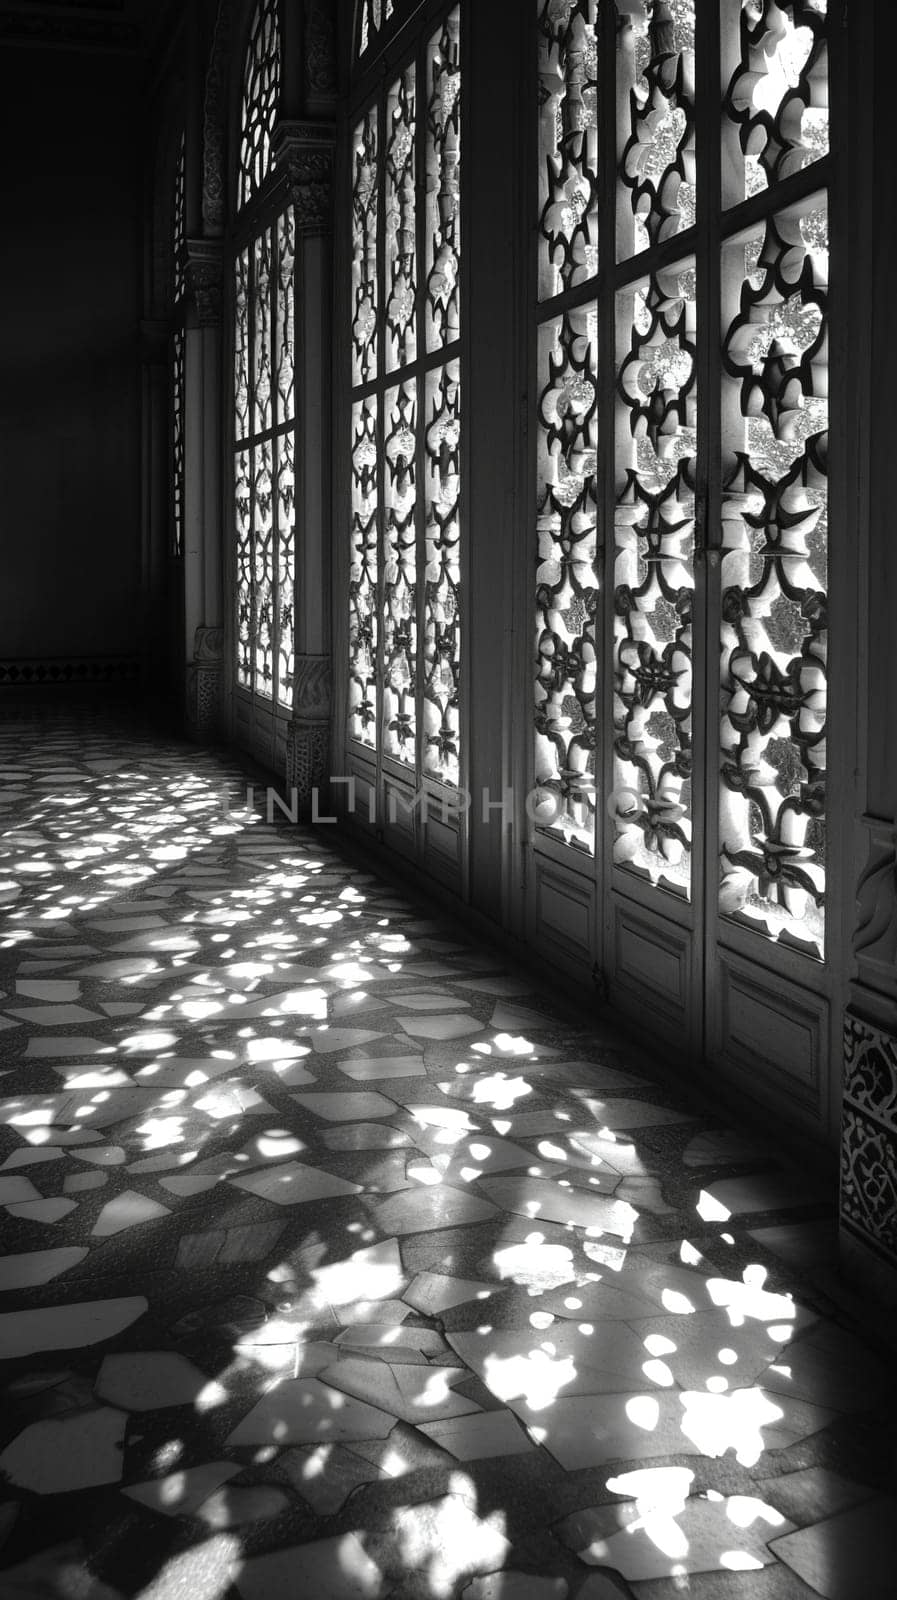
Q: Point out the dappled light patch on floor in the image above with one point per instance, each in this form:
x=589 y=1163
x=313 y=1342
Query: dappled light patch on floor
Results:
x=341 y=1261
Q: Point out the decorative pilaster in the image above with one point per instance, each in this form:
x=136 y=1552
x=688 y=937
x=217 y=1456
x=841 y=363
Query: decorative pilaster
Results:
x=304 y=151
x=308 y=736
x=869 y=1106
x=869 y=1150
x=204 y=683
x=204 y=276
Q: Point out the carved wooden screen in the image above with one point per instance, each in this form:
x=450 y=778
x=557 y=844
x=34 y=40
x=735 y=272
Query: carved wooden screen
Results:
x=682 y=375
x=264 y=393
x=177 y=372
x=405 y=619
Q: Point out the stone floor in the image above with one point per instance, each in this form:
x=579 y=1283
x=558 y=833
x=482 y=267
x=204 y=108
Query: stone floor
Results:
x=342 y=1261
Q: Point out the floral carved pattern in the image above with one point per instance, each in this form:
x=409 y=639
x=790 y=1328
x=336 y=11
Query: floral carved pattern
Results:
x=774 y=576
x=654 y=577
x=655 y=84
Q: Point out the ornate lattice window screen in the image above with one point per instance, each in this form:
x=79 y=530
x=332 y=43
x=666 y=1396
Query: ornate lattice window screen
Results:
x=261 y=89
x=567 y=431
x=773 y=627
x=264 y=436
x=711 y=456
x=405 y=575
x=264 y=397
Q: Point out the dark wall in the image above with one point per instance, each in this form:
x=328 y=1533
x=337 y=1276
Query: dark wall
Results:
x=69 y=400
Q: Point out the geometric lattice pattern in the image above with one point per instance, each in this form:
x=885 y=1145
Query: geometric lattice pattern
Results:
x=261 y=89
x=264 y=485
x=405 y=572
x=567 y=581
x=704 y=435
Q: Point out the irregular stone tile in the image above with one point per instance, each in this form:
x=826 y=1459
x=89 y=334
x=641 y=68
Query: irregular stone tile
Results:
x=421 y=1000
x=517 y=1019
x=307 y=1411
x=444 y=1538
x=252 y=1242
x=281 y=1344
x=749 y=1421
x=48 y=1211
x=516 y=1586
x=633 y=1113
x=846 y=1556
x=291 y=1073
x=364 y=1136
x=537 y=1198
x=535 y=1264
x=530 y=1124
x=591 y=1430
x=421 y=1210
x=346 y=1106
x=848 y=1379
x=538 y=1363
x=31 y=1158
x=203 y=1572
x=374 y=1068
x=126 y=1210
x=376 y=1311
x=432 y=1292
x=54 y=1016
x=198 y=1250
x=67 y=1327
x=151 y=1379
x=802 y=1244
x=325 y=1475
x=294 y=1184
x=705 y=1347
x=406 y=1450
x=38 y=1266
x=71 y=1045
x=444 y=1027
x=59 y=1573
x=94 y=1077
x=326 y=1041
x=394 y=1342
x=329 y=1569
x=61 y=1454
x=507 y=987
x=765 y=1192
x=235 y=1507
x=48 y=989
x=372 y=1273
x=411 y=1393
x=110 y=1155
x=443 y=1117
x=49 y=1138
x=187 y=1185
x=699 y=1535
x=812 y=1493
x=15 y=1190
x=594 y=1302
x=716 y=1148
x=477 y=1438
x=180 y=1493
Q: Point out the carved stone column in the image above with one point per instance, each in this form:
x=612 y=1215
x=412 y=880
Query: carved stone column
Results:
x=869 y=1107
x=304 y=151
x=308 y=735
x=203 y=631
x=204 y=683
